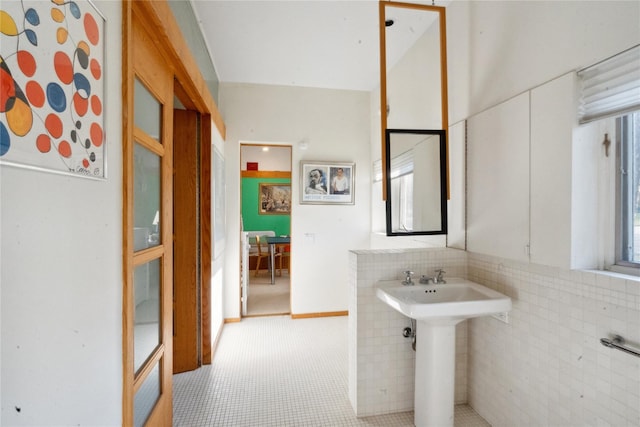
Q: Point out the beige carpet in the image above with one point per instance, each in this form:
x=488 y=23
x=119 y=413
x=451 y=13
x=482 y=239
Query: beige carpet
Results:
x=266 y=299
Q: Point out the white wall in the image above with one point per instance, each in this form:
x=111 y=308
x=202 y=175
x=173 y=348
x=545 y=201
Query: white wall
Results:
x=61 y=278
x=275 y=159
x=498 y=49
x=336 y=125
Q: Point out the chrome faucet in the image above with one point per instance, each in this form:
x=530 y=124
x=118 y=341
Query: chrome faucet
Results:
x=407 y=280
x=439 y=277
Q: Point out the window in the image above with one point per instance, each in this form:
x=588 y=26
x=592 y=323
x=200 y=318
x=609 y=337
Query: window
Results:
x=628 y=191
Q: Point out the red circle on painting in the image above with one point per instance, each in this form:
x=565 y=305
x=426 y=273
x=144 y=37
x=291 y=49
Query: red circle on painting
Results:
x=35 y=93
x=63 y=66
x=96 y=134
x=96 y=105
x=8 y=91
x=64 y=148
x=80 y=104
x=91 y=29
x=43 y=143
x=53 y=125
x=96 y=69
x=26 y=62
x=85 y=163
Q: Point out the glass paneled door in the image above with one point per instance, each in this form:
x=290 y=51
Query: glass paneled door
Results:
x=148 y=240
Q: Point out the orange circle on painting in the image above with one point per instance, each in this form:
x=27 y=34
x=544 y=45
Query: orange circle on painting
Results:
x=62 y=35
x=64 y=148
x=35 y=94
x=26 y=62
x=91 y=29
x=80 y=104
x=96 y=105
x=83 y=46
x=20 y=117
x=53 y=124
x=96 y=69
x=57 y=15
x=96 y=134
x=64 y=67
x=43 y=143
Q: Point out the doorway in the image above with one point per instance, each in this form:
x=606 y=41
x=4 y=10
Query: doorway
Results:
x=266 y=214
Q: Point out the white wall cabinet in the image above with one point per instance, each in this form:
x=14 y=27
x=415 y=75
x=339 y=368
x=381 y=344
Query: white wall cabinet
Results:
x=498 y=180
x=519 y=176
x=553 y=118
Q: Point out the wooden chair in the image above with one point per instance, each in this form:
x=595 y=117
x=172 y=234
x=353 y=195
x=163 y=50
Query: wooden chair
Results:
x=283 y=251
x=261 y=254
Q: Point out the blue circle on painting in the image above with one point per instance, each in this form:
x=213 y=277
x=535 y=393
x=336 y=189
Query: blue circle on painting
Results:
x=32 y=37
x=75 y=10
x=82 y=85
x=32 y=17
x=5 y=140
x=55 y=96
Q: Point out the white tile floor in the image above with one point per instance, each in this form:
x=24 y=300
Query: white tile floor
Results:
x=274 y=371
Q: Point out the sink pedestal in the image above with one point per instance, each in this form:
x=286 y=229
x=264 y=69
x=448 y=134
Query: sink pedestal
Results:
x=435 y=374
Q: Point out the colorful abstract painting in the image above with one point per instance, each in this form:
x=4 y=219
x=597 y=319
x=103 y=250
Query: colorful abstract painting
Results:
x=52 y=86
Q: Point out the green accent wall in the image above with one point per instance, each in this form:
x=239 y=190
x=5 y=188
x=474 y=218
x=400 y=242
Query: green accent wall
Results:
x=252 y=220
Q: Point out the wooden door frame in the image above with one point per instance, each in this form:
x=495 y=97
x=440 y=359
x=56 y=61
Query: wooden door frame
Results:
x=157 y=19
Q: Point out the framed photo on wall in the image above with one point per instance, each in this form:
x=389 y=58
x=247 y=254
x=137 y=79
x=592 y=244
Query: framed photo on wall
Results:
x=274 y=199
x=327 y=183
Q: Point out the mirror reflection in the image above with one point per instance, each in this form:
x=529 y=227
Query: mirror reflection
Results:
x=413 y=74
x=416 y=182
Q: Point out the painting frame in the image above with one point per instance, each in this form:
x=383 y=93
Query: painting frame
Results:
x=327 y=183
x=274 y=198
x=55 y=64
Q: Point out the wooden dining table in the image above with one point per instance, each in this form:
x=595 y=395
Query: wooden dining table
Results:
x=273 y=242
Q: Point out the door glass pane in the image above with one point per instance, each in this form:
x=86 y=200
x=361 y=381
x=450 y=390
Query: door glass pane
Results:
x=146 y=195
x=147 y=111
x=146 y=292
x=146 y=397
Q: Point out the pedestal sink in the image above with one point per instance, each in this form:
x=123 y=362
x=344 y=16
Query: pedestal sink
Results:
x=437 y=309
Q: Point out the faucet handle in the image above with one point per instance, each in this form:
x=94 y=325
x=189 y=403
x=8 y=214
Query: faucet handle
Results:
x=438 y=277
x=407 y=279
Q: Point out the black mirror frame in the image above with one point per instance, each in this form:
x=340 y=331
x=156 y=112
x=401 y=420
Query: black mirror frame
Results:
x=443 y=180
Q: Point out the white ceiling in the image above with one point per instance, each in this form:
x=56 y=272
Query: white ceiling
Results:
x=310 y=43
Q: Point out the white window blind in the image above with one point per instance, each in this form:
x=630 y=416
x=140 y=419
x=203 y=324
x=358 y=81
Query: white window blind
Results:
x=610 y=87
x=402 y=164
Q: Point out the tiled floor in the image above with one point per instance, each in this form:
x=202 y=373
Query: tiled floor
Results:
x=274 y=371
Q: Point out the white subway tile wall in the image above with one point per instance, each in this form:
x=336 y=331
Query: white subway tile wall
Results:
x=547 y=366
x=381 y=360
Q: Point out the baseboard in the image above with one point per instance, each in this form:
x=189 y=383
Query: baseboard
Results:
x=232 y=320
x=323 y=314
x=214 y=347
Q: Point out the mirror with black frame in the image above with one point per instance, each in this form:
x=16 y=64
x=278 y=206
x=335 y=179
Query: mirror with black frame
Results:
x=416 y=182
x=413 y=91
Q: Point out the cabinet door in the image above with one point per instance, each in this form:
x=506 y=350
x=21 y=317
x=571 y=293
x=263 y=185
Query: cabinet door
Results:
x=498 y=180
x=553 y=117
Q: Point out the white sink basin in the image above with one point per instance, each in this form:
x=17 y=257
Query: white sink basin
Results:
x=454 y=301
